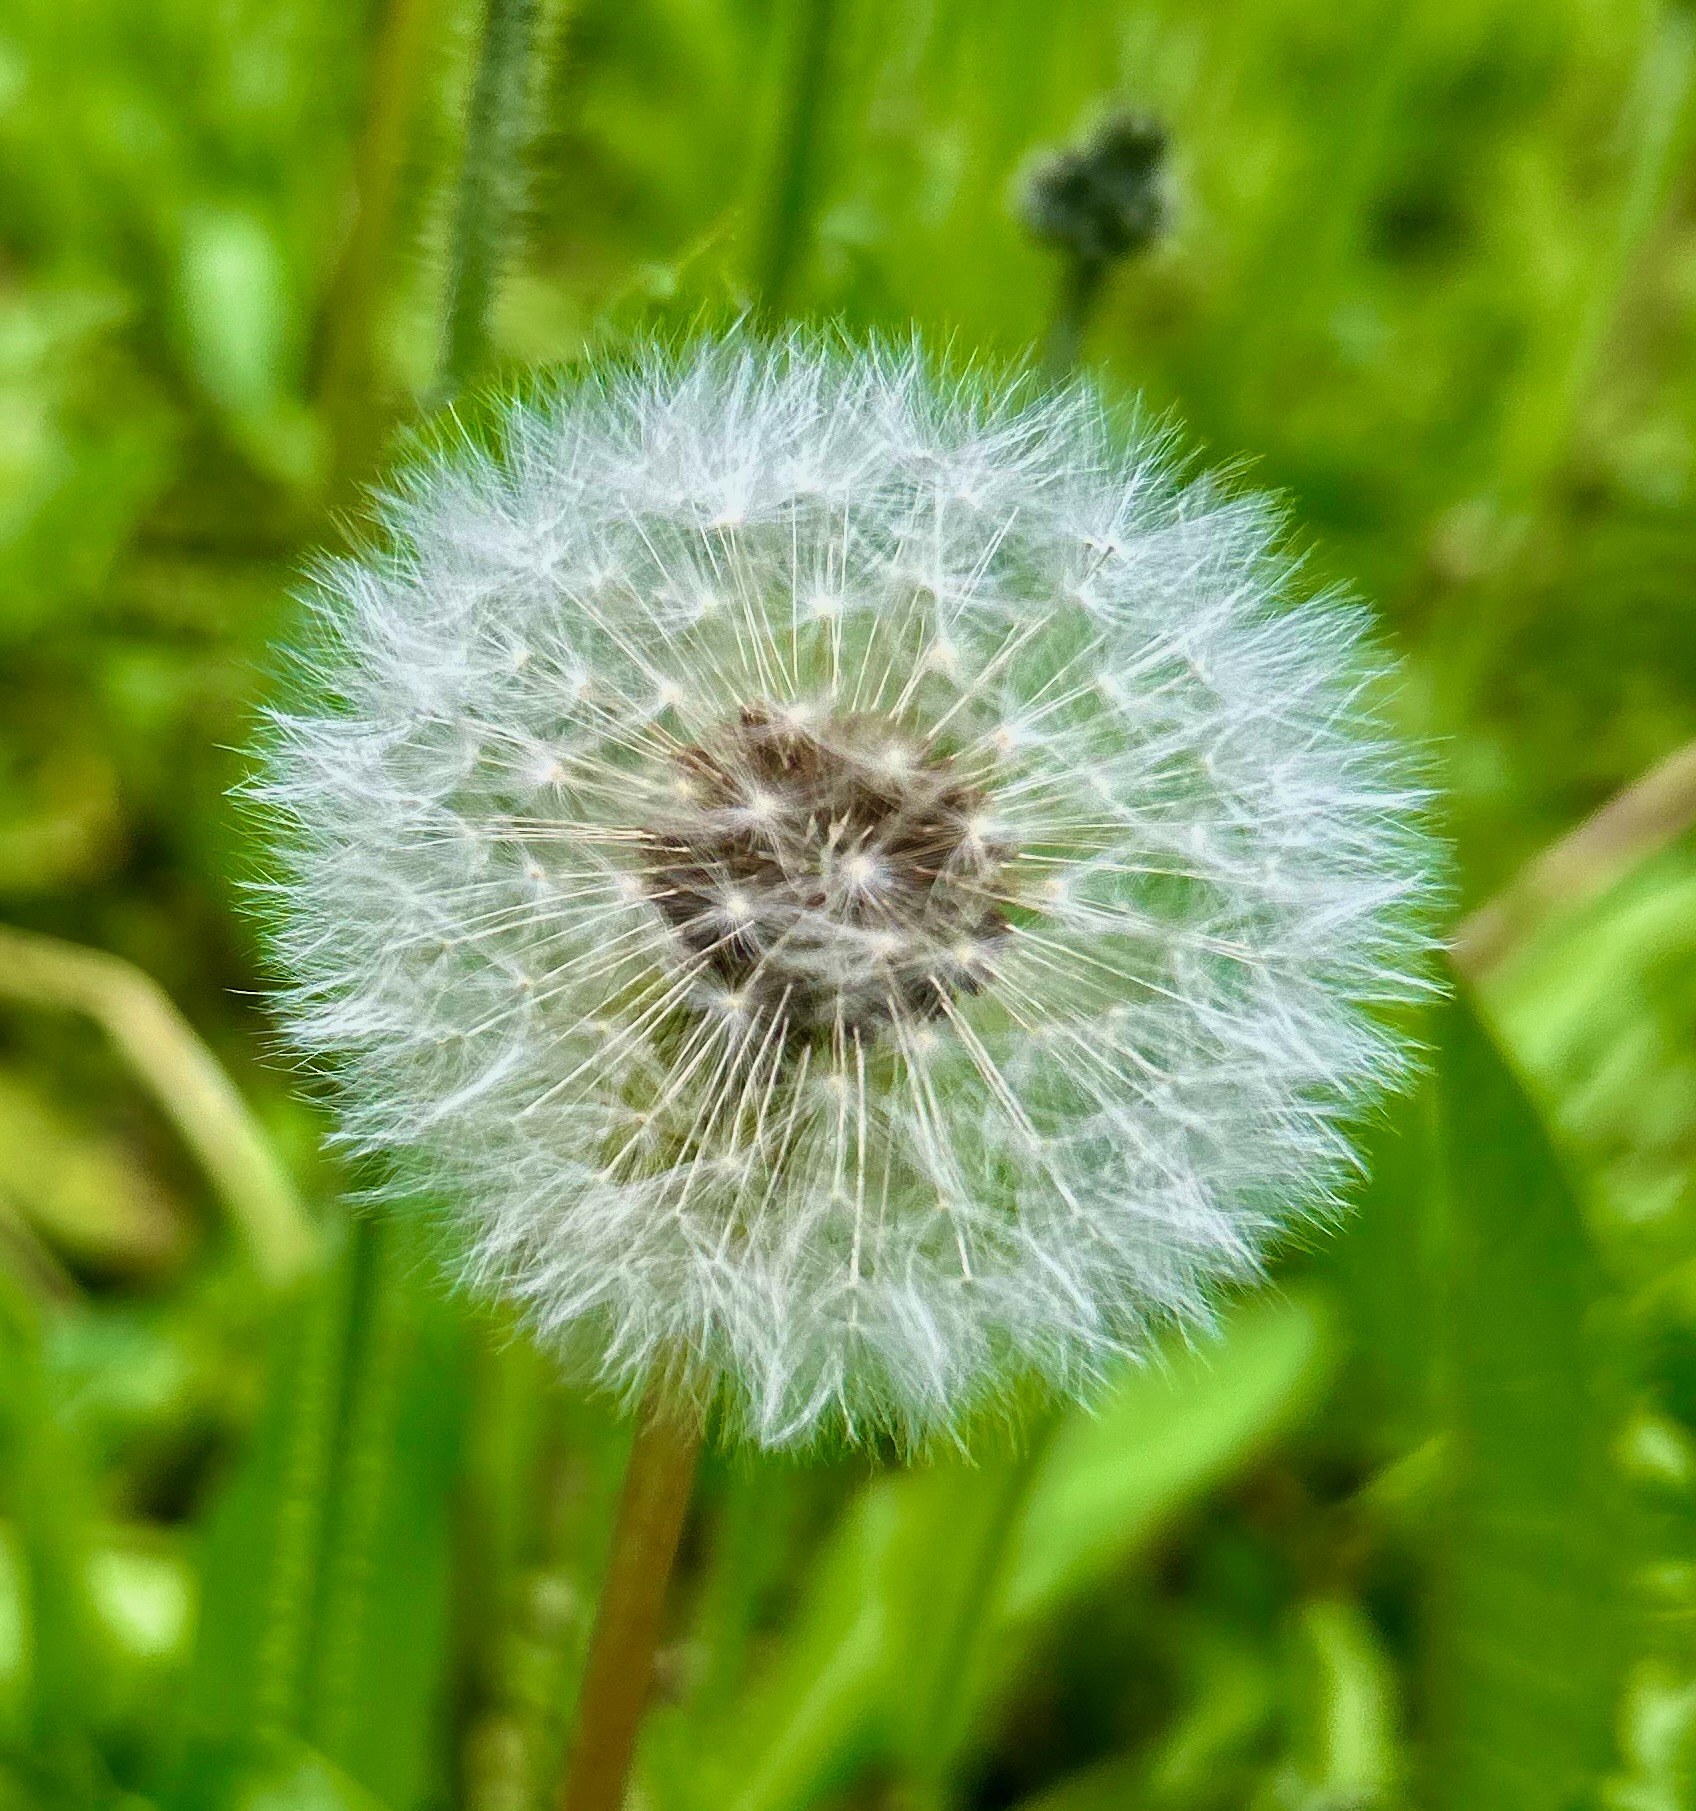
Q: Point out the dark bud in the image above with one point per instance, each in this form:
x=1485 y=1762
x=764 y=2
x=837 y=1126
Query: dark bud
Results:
x=1105 y=200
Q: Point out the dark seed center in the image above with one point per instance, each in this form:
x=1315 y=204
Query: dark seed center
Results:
x=838 y=875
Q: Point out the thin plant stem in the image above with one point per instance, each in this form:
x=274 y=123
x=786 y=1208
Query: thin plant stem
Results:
x=185 y=1078
x=496 y=129
x=1080 y=288
x=797 y=151
x=651 y=1509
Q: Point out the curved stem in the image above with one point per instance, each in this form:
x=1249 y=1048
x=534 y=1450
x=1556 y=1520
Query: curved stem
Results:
x=163 y=1050
x=655 y=1499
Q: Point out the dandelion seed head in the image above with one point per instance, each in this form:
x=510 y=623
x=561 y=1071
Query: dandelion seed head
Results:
x=859 y=886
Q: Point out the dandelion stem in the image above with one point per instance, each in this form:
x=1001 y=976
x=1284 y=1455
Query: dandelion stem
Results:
x=496 y=128
x=655 y=1499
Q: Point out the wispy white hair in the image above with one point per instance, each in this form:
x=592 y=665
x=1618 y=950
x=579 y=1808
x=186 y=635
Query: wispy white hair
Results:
x=611 y=743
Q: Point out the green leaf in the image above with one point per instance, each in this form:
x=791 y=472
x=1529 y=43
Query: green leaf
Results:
x=811 y=1716
x=1162 y=1436
x=238 y=315
x=945 y=1585
x=1529 y=1621
x=937 y=1575
x=1346 y=1753
x=280 y=1774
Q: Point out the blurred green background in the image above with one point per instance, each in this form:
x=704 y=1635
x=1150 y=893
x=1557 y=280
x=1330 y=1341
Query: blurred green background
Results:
x=1420 y=1530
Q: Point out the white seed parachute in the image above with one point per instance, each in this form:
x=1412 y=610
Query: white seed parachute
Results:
x=860 y=887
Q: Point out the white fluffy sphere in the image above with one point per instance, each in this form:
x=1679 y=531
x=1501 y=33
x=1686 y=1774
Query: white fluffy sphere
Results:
x=859 y=887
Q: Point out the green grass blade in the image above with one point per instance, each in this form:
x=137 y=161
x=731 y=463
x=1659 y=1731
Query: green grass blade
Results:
x=377 y=1695
x=264 y=1537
